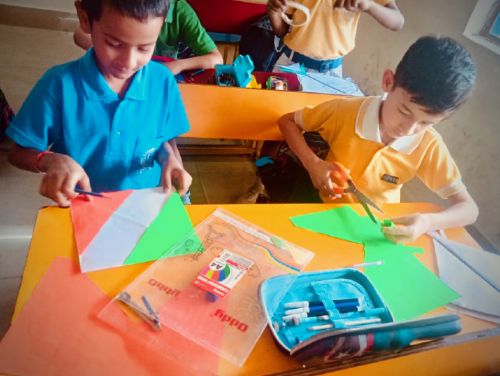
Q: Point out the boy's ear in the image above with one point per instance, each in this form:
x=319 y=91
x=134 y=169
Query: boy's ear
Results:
x=388 y=80
x=82 y=17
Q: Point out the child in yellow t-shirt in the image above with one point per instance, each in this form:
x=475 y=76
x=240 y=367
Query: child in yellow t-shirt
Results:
x=385 y=142
x=321 y=43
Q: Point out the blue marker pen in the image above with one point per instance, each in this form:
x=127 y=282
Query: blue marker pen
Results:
x=314 y=311
x=342 y=307
x=337 y=302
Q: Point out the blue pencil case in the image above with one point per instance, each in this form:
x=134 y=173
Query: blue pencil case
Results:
x=332 y=314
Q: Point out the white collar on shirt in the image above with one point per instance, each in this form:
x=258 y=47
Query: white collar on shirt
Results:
x=368 y=127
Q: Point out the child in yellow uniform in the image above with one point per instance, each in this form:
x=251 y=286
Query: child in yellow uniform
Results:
x=385 y=142
x=321 y=44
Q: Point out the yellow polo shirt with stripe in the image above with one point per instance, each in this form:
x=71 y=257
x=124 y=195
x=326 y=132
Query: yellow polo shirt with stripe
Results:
x=330 y=33
x=350 y=126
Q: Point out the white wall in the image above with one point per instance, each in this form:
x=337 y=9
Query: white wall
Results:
x=59 y=5
x=472 y=133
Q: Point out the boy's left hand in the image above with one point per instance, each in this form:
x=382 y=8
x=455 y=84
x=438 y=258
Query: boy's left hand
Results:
x=408 y=228
x=175 y=176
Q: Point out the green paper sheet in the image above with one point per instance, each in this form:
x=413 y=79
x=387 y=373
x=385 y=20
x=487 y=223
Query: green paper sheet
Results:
x=171 y=226
x=388 y=248
x=343 y=223
x=406 y=285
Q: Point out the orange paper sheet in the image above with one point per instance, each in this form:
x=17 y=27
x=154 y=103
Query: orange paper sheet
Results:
x=58 y=333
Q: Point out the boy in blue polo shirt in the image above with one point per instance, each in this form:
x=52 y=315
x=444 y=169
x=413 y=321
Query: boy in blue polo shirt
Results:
x=110 y=118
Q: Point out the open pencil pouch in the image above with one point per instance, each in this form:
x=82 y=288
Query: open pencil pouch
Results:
x=326 y=315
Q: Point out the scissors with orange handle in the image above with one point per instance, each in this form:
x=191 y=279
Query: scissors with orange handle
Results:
x=344 y=184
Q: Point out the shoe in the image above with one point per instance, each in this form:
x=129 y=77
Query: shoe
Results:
x=250 y=196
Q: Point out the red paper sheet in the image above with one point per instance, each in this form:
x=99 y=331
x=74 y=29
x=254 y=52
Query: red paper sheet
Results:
x=89 y=216
x=58 y=333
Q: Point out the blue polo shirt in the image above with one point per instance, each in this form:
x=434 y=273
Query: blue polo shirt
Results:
x=73 y=110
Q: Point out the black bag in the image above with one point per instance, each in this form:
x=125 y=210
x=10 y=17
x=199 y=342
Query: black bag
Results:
x=6 y=115
x=282 y=174
x=258 y=42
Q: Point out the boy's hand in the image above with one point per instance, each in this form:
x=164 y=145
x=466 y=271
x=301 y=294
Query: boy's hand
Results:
x=175 y=176
x=339 y=176
x=354 y=5
x=277 y=6
x=329 y=178
x=62 y=174
x=409 y=229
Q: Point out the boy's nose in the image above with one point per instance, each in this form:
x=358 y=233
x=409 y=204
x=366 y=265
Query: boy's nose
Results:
x=127 y=59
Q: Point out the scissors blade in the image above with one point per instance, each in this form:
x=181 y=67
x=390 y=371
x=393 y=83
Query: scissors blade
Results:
x=363 y=200
x=366 y=207
x=360 y=196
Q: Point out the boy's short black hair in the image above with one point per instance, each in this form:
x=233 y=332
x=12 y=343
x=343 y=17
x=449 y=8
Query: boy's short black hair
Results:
x=138 y=9
x=438 y=72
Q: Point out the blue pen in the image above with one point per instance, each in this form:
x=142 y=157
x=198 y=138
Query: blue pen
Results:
x=81 y=191
x=337 y=302
x=315 y=311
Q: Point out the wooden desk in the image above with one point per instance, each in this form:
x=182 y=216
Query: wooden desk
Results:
x=53 y=236
x=234 y=113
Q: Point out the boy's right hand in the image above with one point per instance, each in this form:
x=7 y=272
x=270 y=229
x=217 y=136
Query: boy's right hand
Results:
x=62 y=174
x=277 y=6
x=329 y=178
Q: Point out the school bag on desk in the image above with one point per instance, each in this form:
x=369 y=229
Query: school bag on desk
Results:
x=337 y=314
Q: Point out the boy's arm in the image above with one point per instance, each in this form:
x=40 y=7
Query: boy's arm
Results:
x=274 y=10
x=193 y=34
x=206 y=61
x=173 y=172
x=387 y=15
x=61 y=173
x=320 y=171
x=462 y=211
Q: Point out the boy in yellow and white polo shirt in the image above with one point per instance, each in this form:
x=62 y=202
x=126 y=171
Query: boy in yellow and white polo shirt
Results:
x=385 y=142
x=321 y=44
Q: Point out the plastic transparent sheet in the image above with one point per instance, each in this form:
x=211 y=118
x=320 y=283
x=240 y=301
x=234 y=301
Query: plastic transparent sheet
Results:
x=166 y=298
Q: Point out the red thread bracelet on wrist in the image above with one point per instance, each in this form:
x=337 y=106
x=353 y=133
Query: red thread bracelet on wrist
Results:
x=39 y=157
